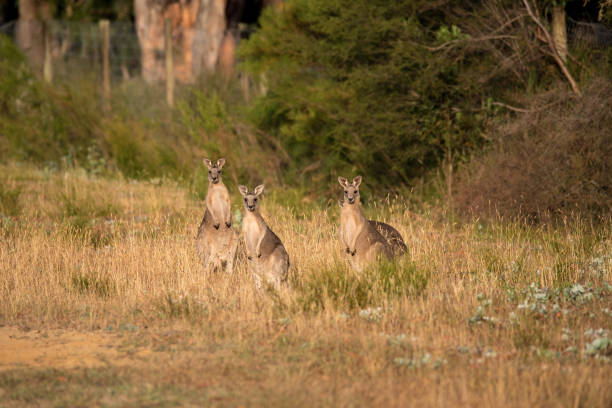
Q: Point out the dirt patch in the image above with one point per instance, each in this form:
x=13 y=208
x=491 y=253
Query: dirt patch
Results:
x=64 y=349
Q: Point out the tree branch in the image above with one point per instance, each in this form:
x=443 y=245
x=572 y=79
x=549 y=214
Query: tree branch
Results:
x=510 y=107
x=553 y=47
x=485 y=38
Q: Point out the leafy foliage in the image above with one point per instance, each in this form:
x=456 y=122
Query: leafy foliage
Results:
x=39 y=123
x=354 y=87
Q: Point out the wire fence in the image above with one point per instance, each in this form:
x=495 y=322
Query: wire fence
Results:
x=588 y=35
x=75 y=48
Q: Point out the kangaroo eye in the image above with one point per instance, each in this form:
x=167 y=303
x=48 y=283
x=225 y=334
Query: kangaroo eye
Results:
x=255 y=200
x=345 y=192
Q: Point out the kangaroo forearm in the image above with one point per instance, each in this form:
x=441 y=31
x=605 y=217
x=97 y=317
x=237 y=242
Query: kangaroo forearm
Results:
x=211 y=210
x=258 y=247
x=353 y=243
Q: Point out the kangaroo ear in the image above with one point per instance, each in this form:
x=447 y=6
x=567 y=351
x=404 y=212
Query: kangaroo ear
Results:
x=208 y=163
x=220 y=162
x=357 y=181
x=259 y=189
x=243 y=190
x=343 y=182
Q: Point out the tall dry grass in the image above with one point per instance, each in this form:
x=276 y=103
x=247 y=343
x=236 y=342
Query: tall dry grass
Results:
x=464 y=319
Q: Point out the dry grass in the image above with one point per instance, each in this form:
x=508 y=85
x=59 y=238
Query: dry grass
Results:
x=455 y=323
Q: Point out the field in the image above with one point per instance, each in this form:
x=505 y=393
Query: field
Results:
x=103 y=302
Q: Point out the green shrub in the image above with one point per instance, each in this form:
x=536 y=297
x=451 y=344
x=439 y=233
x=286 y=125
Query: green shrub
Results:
x=354 y=89
x=40 y=123
x=91 y=284
x=343 y=288
x=181 y=307
x=9 y=201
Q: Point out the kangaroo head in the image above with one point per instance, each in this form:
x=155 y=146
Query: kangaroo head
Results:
x=250 y=199
x=214 y=170
x=351 y=190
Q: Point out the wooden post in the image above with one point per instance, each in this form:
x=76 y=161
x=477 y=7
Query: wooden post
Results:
x=169 y=62
x=84 y=40
x=245 y=85
x=105 y=45
x=47 y=63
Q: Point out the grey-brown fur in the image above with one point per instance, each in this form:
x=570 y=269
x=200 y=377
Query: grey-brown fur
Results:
x=267 y=258
x=392 y=236
x=217 y=241
x=364 y=240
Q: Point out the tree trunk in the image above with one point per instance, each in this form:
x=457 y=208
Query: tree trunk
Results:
x=227 y=53
x=149 y=28
x=209 y=33
x=150 y=16
x=29 y=34
x=559 y=31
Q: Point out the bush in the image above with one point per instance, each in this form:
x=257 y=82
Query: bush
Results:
x=344 y=289
x=62 y=125
x=9 y=201
x=39 y=123
x=553 y=161
x=353 y=88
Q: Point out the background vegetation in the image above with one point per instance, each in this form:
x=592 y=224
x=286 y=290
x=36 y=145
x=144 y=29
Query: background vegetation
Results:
x=405 y=93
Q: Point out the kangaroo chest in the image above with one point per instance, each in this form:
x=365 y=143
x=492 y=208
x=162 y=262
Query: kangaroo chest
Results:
x=219 y=201
x=252 y=229
x=351 y=222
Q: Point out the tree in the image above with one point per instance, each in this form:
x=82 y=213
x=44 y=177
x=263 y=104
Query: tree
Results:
x=354 y=88
x=29 y=34
x=198 y=29
x=559 y=30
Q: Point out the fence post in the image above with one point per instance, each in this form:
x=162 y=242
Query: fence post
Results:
x=245 y=85
x=105 y=45
x=84 y=42
x=47 y=63
x=169 y=63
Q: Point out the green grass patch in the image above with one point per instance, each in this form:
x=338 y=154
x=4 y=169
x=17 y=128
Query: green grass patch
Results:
x=91 y=284
x=9 y=201
x=341 y=287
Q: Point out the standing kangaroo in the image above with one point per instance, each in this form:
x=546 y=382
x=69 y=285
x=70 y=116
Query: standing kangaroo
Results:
x=267 y=257
x=364 y=240
x=217 y=241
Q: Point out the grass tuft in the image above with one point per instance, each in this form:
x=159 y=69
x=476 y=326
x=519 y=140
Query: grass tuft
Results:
x=91 y=284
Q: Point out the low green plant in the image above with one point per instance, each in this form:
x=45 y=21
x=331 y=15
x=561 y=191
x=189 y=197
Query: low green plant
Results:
x=84 y=206
x=181 y=307
x=343 y=288
x=9 y=201
x=100 y=286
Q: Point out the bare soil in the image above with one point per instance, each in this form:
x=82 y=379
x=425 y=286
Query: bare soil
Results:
x=63 y=349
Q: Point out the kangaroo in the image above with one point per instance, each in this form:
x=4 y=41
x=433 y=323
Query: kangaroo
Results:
x=364 y=240
x=217 y=241
x=267 y=257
